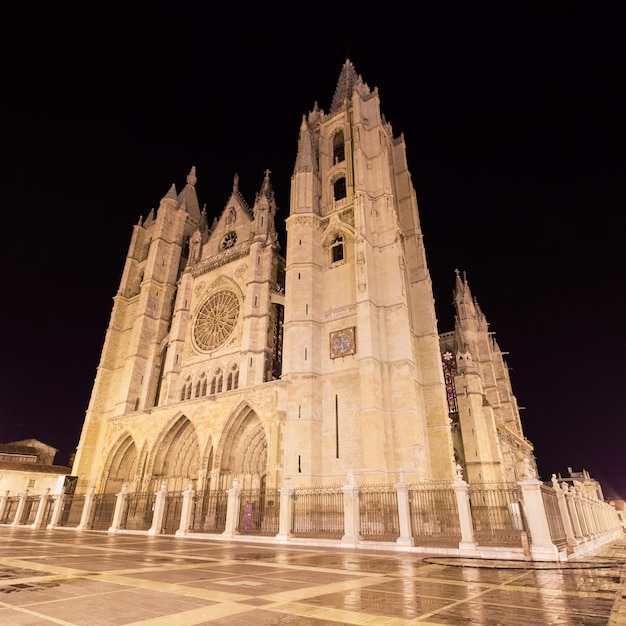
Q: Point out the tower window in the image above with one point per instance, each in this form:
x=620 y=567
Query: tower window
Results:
x=339 y=153
x=336 y=249
x=339 y=188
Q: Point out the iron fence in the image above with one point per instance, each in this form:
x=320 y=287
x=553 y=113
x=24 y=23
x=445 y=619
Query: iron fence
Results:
x=497 y=514
x=138 y=511
x=172 y=513
x=10 y=510
x=553 y=515
x=259 y=512
x=317 y=513
x=103 y=508
x=72 y=510
x=434 y=514
x=30 y=510
x=209 y=512
x=378 y=513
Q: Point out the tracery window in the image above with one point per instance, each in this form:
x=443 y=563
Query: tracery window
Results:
x=217 y=382
x=339 y=188
x=449 y=372
x=185 y=392
x=232 y=381
x=336 y=249
x=339 y=153
x=201 y=385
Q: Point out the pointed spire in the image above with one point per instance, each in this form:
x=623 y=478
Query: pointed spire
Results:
x=188 y=198
x=305 y=159
x=266 y=187
x=191 y=177
x=345 y=86
x=171 y=194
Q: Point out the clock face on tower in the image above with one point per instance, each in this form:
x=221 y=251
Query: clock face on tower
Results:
x=215 y=321
x=342 y=343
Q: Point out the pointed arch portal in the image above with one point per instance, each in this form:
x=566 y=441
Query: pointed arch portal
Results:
x=121 y=467
x=242 y=451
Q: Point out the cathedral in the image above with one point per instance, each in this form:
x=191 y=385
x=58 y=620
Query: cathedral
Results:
x=227 y=357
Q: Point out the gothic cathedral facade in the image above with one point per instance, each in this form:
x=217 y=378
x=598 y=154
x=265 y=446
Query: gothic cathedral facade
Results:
x=226 y=359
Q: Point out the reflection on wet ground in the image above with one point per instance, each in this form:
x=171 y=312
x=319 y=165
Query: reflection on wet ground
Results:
x=96 y=579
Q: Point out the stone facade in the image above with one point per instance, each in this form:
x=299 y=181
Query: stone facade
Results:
x=225 y=359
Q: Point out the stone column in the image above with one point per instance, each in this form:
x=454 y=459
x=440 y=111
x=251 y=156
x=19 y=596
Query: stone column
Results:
x=87 y=506
x=186 y=512
x=351 y=516
x=564 y=511
x=20 y=508
x=285 y=515
x=4 y=499
x=41 y=509
x=232 y=509
x=541 y=547
x=57 y=509
x=468 y=544
x=120 y=505
x=159 y=510
x=404 y=514
x=573 y=513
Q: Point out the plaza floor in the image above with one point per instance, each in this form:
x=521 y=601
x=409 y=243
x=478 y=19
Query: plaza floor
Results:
x=97 y=579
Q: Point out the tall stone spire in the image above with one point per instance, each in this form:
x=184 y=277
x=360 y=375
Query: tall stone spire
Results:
x=345 y=86
x=188 y=198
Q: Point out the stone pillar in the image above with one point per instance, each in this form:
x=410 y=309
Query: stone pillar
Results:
x=41 y=509
x=87 y=506
x=573 y=513
x=20 y=508
x=351 y=516
x=120 y=505
x=285 y=515
x=404 y=514
x=3 y=503
x=159 y=510
x=232 y=509
x=580 y=507
x=468 y=544
x=541 y=547
x=186 y=512
x=57 y=509
x=564 y=511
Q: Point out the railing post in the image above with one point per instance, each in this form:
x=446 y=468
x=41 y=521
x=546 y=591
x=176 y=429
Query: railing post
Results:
x=186 y=511
x=351 y=516
x=285 y=516
x=159 y=510
x=59 y=499
x=41 y=509
x=232 y=509
x=404 y=513
x=541 y=547
x=20 y=508
x=582 y=518
x=563 y=510
x=468 y=544
x=87 y=506
x=4 y=499
x=573 y=513
x=120 y=504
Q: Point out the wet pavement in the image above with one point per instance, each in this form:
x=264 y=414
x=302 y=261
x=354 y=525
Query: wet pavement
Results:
x=96 y=579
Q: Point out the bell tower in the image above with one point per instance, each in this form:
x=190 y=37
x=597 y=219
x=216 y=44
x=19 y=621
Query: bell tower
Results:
x=365 y=388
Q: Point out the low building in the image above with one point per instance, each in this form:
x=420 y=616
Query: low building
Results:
x=29 y=465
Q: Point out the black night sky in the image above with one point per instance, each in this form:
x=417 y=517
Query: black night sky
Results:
x=514 y=121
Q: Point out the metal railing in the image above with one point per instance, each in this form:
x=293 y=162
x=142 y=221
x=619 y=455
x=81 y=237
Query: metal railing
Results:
x=378 y=513
x=434 y=514
x=259 y=512
x=318 y=512
x=497 y=514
